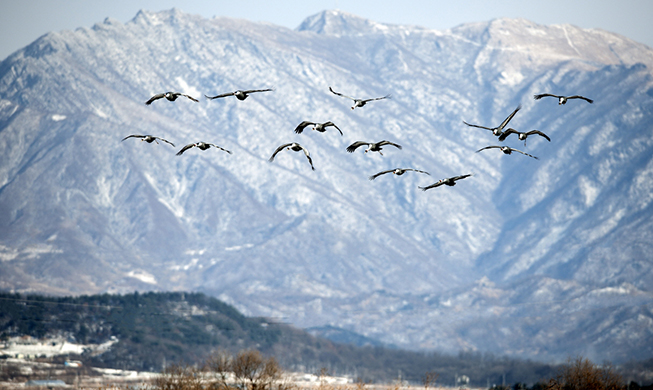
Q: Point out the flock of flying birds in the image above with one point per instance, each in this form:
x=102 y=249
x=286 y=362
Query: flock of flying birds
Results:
x=498 y=131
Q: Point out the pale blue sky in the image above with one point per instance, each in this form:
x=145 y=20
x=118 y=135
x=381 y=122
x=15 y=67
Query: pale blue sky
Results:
x=23 y=21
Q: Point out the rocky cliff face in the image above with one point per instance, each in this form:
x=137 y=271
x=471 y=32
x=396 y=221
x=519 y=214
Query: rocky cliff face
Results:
x=537 y=258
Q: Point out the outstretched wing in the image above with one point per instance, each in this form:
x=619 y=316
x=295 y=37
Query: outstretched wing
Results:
x=384 y=142
x=581 y=97
x=280 y=148
x=461 y=177
x=506 y=133
x=538 y=133
x=334 y=125
x=525 y=154
x=303 y=125
x=308 y=156
x=220 y=96
x=505 y=121
x=339 y=94
x=155 y=97
x=190 y=97
x=258 y=90
x=380 y=173
x=165 y=140
x=221 y=148
x=436 y=184
x=132 y=136
x=417 y=170
x=489 y=147
x=356 y=145
x=541 y=95
x=379 y=98
x=480 y=127
x=185 y=148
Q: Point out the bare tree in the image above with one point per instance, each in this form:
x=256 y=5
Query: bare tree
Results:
x=429 y=379
x=178 y=377
x=582 y=374
x=254 y=372
x=220 y=365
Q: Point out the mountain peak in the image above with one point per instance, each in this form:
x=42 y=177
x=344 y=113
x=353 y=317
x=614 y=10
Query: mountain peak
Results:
x=336 y=22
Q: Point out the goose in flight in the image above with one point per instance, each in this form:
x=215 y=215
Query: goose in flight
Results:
x=372 y=146
x=358 y=102
x=562 y=99
x=396 y=171
x=499 y=129
x=148 y=138
x=294 y=146
x=506 y=150
x=172 y=96
x=522 y=136
x=200 y=146
x=321 y=127
x=240 y=95
x=450 y=181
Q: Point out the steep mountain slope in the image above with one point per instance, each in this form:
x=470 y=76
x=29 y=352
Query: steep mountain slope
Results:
x=82 y=212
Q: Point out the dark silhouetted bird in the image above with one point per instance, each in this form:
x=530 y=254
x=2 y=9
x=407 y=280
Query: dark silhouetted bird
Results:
x=499 y=129
x=240 y=95
x=450 y=181
x=373 y=146
x=321 y=127
x=562 y=99
x=148 y=138
x=396 y=171
x=522 y=136
x=172 y=96
x=358 y=102
x=294 y=146
x=200 y=146
x=507 y=150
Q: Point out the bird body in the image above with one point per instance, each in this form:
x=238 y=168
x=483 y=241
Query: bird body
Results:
x=499 y=129
x=522 y=136
x=372 y=146
x=294 y=146
x=358 y=102
x=171 y=96
x=200 y=146
x=396 y=171
x=506 y=150
x=148 y=138
x=562 y=99
x=239 y=94
x=320 y=127
x=450 y=181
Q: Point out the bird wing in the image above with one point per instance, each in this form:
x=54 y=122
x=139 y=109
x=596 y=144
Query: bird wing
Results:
x=280 y=148
x=356 y=145
x=339 y=94
x=221 y=148
x=308 y=156
x=185 y=148
x=165 y=140
x=581 y=97
x=190 y=97
x=379 y=98
x=220 y=96
x=155 y=97
x=303 y=125
x=506 y=133
x=257 y=90
x=132 y=136
x=538 y=133
x=505 y=121
x=384 y=142
x=489 y=147
x=417 y=170
x=436 y=184
x=334 y=125
x=525 y=154
x=480 y=127
x=379 y=174
x=461 y=177
x=541 y=95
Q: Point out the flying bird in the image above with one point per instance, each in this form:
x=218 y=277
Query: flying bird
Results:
x=148 y=138
x=506 y=150
x=450 y=181
x=522 y=136
x=294 y=146
x=396 y=171
x=172 y=96
x=239 y=94
x=321 y=127
x=562 y=99
x=372 y=146
x=358 y=102
x=200 y=146
x=499 y=129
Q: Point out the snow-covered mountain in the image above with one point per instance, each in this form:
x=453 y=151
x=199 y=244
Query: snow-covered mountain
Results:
x=537 y=258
